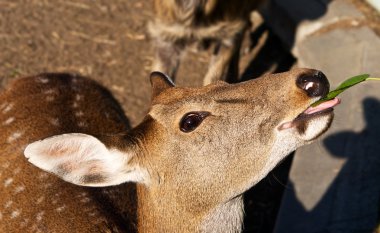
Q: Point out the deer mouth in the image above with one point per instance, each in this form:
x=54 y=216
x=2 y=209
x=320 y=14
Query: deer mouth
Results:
x=324 y=109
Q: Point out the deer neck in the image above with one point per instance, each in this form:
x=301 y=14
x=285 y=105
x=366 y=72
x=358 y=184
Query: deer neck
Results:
x=159 y=213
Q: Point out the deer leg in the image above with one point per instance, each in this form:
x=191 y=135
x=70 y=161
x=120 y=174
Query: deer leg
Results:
x=168 y=56
x=224 y=64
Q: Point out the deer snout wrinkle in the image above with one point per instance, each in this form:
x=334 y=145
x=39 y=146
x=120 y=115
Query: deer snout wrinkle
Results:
x=315 y=84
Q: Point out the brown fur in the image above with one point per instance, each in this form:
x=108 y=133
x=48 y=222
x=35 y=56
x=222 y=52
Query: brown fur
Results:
x=35 y=201
x=180 y=23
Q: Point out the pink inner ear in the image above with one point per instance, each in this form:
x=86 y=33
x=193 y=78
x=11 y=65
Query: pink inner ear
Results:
x=58 y=150
x=286 y=125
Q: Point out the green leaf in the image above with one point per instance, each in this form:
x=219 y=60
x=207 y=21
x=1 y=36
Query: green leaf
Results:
x=344 y=86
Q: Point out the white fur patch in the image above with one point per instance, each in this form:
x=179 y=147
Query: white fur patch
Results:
x=8 y=121
x=43 y=175
x=315 y=127
x=5 y=165
x=50 y=98
x=8 y=204
x=15 y=213
x=24 y=222
x=40 y=215
x=16 y=171
x=82 y=124
x=19 y=189
x=54 y=121
x=79 y=113
x=8 y=182
x=61 y=208
x=8 y=107
x=78 y=97
x=50 y=91
x=14 y=136
x=40 y=199
x=75 y=105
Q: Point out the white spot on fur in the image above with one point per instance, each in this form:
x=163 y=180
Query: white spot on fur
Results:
x=34 y=228
x=50 y=98
x=48 y=185
x=15 y=214
x=75 y=105
x=24 y=222
x=92 y=214
x=14 y=136
x=8 y=204
x=40 y=199
x=82 y=194
x=1 y=216
x=19 y=189
x=8 y=121
x=16 y=171
x=43 y=175
x=54 y=121
x=82 y=124
x=5 y=165
x=61 y=208
x=40 y=215
x=54 y=201
x=79 y=113
x=78 y=97
x=42 y=80
x=85 y=200
x=8 y=108
x=50 y=91
x=8 y=182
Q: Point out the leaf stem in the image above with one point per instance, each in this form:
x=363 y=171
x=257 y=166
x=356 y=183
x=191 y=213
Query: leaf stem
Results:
x=377 y=79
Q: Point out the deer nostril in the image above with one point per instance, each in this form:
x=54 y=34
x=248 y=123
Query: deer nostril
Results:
x=314 y=84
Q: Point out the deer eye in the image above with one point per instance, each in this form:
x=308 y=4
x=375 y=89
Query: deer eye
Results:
x=192 y=120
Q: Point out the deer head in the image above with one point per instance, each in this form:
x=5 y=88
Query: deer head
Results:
x=198 y=149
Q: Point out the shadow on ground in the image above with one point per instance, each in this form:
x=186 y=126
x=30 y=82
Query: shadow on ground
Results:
x=351 y=204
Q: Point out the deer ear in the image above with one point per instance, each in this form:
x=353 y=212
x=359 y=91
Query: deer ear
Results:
x=83 y=160
x=159 y=82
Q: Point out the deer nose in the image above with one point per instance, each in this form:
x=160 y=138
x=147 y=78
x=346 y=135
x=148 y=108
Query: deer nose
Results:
x=315 y=84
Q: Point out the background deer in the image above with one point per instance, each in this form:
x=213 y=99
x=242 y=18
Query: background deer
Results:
x=180 y=23
x=31 y=200
x=191 y=159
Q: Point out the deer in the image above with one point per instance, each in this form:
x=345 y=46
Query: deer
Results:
x=184 y=168
x=180 y=24
x=32 y=200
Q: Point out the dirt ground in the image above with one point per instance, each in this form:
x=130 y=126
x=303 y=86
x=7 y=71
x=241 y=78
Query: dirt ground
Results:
x=107 y=41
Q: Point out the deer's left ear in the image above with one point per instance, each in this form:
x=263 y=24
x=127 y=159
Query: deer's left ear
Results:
x=159 y=82
x=84 y=160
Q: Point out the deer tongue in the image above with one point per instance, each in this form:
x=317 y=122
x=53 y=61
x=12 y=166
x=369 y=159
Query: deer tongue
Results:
x=323 y=106
x=311 y=110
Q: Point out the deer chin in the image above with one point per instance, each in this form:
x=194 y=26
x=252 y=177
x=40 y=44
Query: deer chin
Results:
x=312 y=122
